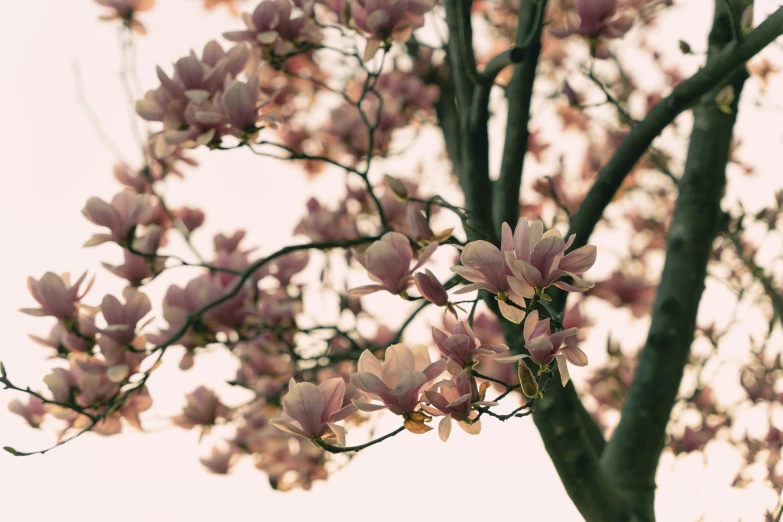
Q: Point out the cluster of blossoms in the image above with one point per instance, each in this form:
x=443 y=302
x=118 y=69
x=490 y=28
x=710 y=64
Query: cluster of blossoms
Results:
x=310 y=386
x=205 y=100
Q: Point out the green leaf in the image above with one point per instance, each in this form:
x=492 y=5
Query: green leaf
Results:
x=12 y=451
x=2 y=370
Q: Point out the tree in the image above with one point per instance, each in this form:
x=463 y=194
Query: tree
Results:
x=268 y=94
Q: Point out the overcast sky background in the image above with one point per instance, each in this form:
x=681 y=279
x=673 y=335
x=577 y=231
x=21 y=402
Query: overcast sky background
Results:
x=53 y=162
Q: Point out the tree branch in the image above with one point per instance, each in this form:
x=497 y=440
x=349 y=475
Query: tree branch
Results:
x=633 y=453
x=473 y=111
x=519 y=94
x=718 y=69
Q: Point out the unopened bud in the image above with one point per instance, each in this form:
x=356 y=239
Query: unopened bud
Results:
x=430 y=288
x=527 y=380
x=398 y=187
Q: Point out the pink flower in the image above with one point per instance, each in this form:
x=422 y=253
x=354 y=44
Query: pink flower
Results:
x=454 y=399
x=311 y=411
x=33 y=412
x=126 y=211
x=388 y=262
x=125 y=10
x=203 y=409
x=219 y=461
x=275 y=26
x=324 y=224
x=483 y=265
x=136 y=267
x=285 y=267
x=430 y=288
x=389 y=19
x=57 y=297
x=462 y=347
x=121 y=319
x=536 y=259
x=596 y=19
x=544 y=347
x=64 y=341
x=399 y=380
x=191 y=218
x=418 y=225
x=228 y=243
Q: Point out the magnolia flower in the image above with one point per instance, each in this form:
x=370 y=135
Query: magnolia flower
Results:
x=287 y=266
x=33 y=412
x=461 y=348
x=136 y=268
x=203 y=408
x=596 y=19
x=454 y=399
x=219 y=461
x=221 y=242
x=536 y=259
x=385 y=20
x=430 y=288
x=63 y=341
x=191 y=218
x=311 y=411
x=274 y=24
x=126 y=211
x=388 y=261
x=125 y=10
x=121 y=319
x=419 y=227
x=57 y=297
x=397 y=382
x=544 y=347
x=483 y=265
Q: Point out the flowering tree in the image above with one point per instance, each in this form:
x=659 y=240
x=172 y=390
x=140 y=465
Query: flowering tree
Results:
x=351 y=86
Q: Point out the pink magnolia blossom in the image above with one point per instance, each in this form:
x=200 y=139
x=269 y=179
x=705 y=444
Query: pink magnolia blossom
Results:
x=219 y=461
x=137 y=268
x=461 y=347
x=120 y=361
x=537 y=259
x=324 y=224
x=57 y=297
x=63 y=341
x=430 y=288
x=126 y=211
x=203 y=408
x=388 y=262
x=384 y=20
x=230 y=243
x=398 y=381
x=125 y=10
x=191 y=218
x=276 y=26
x=418 y=225
x=122 y=319
x=285 y=267
x=454 y=399
x=544 y=347
x=33 y=412
x=311 y=411
x=596 y=19
x=484 y=266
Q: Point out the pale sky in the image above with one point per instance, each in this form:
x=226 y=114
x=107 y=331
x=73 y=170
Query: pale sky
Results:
x=53 y=162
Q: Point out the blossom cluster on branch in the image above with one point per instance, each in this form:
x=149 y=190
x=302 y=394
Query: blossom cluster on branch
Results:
x=342 y=86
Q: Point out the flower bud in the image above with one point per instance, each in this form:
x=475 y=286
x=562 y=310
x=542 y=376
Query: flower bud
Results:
x=527 y=380
x=398 y=187
x=430 y=288
x=417 y=222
